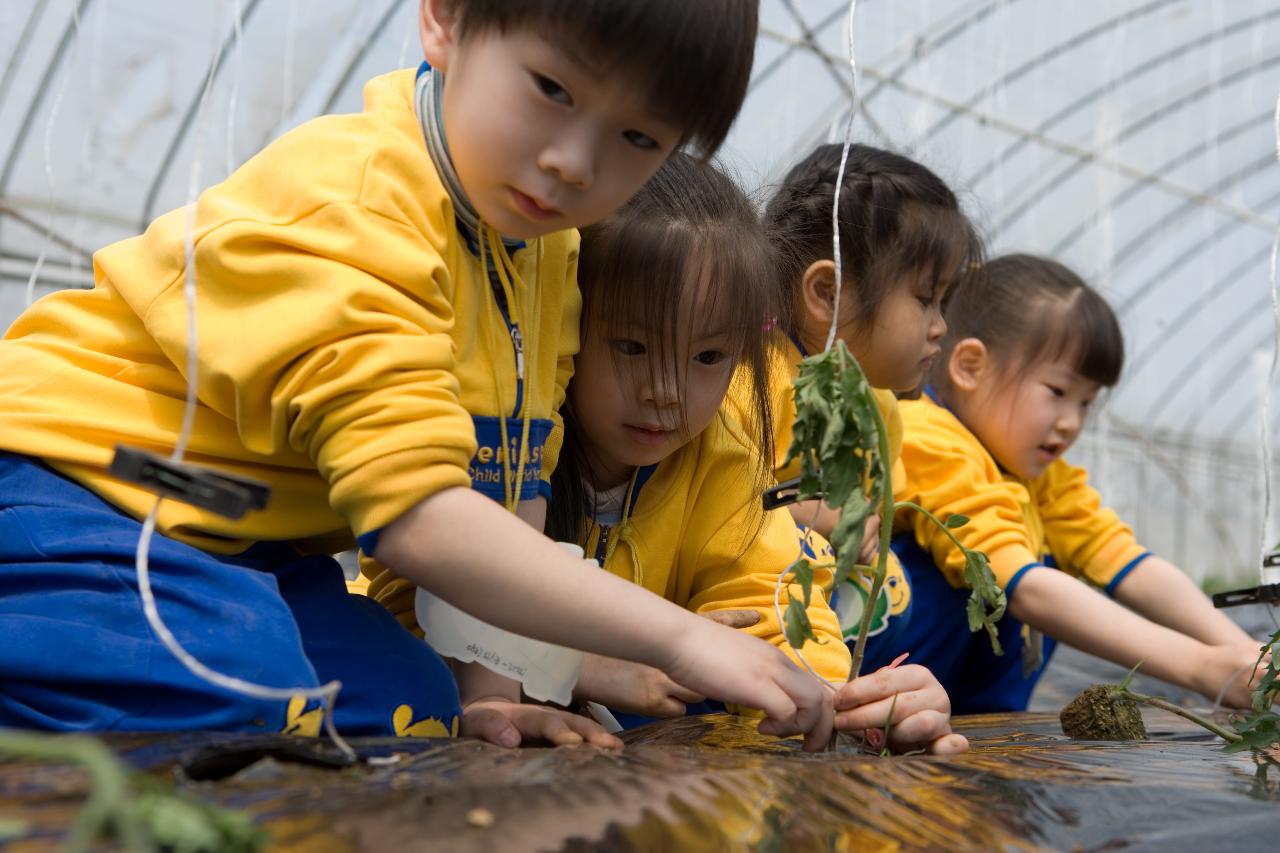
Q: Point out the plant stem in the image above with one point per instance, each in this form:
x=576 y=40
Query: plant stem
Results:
x=882 y=558
x=911 y=505
x=107 y=806
x=1155 y=702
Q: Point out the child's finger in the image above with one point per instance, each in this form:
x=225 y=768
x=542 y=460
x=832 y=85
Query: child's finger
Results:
x=589 y=730
x=919 y=728
x=813 y=710
x=684 y=694
x=874 y=687
x=779 y=711
x=556 y=729
x=949 y=744
x=487 y=724
x=734 y=618
x=882 y=684
x=875 y=714
x=818 y=737
x=668 y=708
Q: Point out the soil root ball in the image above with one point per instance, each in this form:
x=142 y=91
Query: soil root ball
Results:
x=1103 y=712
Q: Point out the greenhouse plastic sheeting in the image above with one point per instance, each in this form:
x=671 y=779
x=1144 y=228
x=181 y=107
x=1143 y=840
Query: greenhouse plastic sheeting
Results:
x=1132 y=139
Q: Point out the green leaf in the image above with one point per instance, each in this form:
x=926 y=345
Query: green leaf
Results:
x=957 y=520
x=802 y=573
x=986 y=603
x=796 y=625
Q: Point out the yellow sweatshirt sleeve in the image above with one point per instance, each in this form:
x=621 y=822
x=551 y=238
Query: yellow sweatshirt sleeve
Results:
x=308 y=349
x=737 y=565
x=949 y=473
x=1084 y=537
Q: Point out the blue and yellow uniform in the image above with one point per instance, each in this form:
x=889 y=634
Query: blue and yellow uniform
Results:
x=351 y=348
x=893 y=605
x=1055 y=520
x=694 y=532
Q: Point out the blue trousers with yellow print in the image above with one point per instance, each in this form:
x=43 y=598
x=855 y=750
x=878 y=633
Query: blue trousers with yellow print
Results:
x=938 y=637
x=79 y=655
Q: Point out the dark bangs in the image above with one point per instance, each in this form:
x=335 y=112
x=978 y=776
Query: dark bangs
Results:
x=690 y=233
x=934 y=244
x=1084 y=331
x=692 y=58
x=636 y=277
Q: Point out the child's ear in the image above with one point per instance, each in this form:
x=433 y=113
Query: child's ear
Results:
x=817 y=295
x=436 y=27
x=968 y=363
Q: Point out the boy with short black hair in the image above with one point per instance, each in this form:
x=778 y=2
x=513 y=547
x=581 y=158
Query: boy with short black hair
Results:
x=375 y=293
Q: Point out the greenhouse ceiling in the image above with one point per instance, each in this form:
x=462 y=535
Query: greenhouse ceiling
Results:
x=1133 y=139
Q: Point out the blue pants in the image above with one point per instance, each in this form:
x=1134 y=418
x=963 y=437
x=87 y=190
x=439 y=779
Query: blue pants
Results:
x=77 y=652
x=938 y=637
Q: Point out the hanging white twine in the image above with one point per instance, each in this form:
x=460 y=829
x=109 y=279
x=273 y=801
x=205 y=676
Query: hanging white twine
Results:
x=1264 y=544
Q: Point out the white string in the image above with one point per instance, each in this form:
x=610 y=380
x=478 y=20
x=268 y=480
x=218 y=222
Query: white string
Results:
x=835 y=202
x=47 y=150
x=777 y=609
x=326 y=692
x=88 y=140
x=835 y=308
x=290 y=38
x=235 y=86
x=1265 y=431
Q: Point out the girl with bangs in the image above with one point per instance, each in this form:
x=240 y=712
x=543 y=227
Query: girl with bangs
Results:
x=904 y=238
x=655 y=482
x=658 y=482
x=1028 y=350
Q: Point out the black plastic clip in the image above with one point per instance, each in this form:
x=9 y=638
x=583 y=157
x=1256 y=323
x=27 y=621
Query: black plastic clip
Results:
x=1265 y=594
x=783 y=494
x=226 y=494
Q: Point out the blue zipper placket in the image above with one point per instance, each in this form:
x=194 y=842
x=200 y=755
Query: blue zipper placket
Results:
x=602 y=544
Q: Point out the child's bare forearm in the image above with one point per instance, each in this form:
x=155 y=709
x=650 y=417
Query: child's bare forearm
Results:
x=466 y=549
x=1163 y=593
x=1073 y=613
x=478 y=682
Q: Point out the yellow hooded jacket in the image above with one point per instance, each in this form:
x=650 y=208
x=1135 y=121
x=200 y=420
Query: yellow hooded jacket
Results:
x=698 y=535
x=347 y=338
x=784 y=367
x=1056 y=519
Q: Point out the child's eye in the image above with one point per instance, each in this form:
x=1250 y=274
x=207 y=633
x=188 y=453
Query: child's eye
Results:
x=628 y=347
x=710 y=357
x=1055 y=390
x=552 y=89
x=641 y=140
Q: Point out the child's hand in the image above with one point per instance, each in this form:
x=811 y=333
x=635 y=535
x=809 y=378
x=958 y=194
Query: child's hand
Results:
x=733 y=618
x=510 y=724
x=740 y=669
x=631 y=687
x=1235 y=667
x=870 y=541
x=921 y=713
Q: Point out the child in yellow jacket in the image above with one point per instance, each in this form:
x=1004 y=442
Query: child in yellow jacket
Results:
x=1029 y=348
x=386 y=317
x=903 y=240
x=659 y=482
